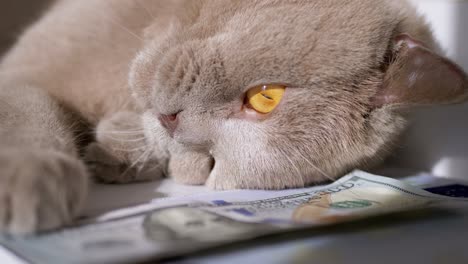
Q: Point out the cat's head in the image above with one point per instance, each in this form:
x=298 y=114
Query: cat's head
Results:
x=288 y=93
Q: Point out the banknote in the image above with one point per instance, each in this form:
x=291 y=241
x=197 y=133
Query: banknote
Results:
x=180 y=226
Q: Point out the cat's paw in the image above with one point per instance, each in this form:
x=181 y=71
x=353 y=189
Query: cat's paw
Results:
x=39 y=190
x=107 y=168
x=121 y=153
x=188 y=167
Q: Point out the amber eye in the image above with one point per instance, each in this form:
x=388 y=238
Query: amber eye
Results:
x=265 y=98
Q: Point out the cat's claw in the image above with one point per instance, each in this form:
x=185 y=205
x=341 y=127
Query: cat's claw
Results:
x=39 y=190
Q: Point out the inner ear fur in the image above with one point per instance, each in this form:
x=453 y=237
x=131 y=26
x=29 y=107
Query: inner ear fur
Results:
x=418 y=76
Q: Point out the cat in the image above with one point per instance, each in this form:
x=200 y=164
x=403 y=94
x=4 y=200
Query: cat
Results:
x=257 y=94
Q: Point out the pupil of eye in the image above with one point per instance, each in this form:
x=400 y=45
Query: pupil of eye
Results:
x=267 y=97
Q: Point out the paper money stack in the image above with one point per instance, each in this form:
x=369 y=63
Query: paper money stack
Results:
x=180 y=226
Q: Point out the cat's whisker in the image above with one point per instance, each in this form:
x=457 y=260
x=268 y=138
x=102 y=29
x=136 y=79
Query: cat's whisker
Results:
x=315 y=166
x=129 y=150
x=285 y=155
x=80 y=137
x=131 y=166
x=325 y=174
x=155 y=167
x=165 y=169
x=125 y=140
x=139 y=160
x=294 y=166
x=139 y=148
x=128 y=132
x=157 y=51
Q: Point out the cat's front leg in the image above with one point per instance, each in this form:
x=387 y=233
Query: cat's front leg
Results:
x=39 y=189
x=43 y=184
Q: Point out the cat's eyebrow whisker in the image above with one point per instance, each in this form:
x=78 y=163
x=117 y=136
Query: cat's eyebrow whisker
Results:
x=18 y=69
x=9 y=72
x=144 y=7
x=128 y=30
x=115 y=22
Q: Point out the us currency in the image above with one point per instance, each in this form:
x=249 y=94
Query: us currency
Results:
x=186 y=225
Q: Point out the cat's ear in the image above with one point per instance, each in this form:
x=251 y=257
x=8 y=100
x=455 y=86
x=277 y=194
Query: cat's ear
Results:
x=418 y=76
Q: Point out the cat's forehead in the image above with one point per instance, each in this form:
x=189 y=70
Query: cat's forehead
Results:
x=287 y=37
x=327 y=38
x=238 y=44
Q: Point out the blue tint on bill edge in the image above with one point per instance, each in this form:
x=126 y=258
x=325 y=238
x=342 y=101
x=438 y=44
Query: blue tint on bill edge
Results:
x=220 y=203
x=243 y=211
x=455 y=190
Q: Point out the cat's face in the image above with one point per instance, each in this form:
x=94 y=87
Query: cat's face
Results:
x=330 y=57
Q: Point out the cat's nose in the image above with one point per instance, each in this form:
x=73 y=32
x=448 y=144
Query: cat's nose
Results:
x=169 y=122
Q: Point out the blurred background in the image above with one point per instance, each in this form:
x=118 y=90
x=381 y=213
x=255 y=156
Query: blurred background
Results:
x=437 y=141
x=15 y=15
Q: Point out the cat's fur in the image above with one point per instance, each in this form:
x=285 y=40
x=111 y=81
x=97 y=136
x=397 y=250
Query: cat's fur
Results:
x=117 y=65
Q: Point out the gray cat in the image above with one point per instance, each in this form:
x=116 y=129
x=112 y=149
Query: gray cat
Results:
x=233 y=94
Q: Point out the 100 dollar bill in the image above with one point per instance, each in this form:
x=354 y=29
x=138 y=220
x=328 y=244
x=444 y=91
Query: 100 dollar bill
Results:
x=190 y=224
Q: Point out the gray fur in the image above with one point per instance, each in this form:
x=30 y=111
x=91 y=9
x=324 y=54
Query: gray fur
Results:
x=120 y=64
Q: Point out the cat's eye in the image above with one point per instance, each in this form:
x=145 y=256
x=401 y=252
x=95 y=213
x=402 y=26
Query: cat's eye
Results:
x=265 y=98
